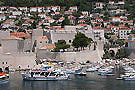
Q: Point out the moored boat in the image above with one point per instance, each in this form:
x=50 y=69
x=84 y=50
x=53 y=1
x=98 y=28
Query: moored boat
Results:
x=91 y=69
x=45 y=74
x=105 y=71
x=80 y=72
x=4 y=75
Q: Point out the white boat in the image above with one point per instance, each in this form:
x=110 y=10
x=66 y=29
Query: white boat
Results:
x=4 y=76
x=45 y=74
x=92 y=69
x=129 y=78
x=70 y=71
x=80 y=72
x=127 y=68
x=105 y=71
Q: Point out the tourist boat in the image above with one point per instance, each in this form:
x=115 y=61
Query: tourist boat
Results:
x=46 y=73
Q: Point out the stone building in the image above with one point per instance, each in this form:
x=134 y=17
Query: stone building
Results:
x=12 y=45
x=4 y=34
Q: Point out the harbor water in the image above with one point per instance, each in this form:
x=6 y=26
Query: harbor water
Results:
x=91 y=82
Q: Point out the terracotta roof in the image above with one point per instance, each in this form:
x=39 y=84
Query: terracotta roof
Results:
x=48 y=46
x=42 y=38
x=20 y=34
x=83 y=24
x=97 y=27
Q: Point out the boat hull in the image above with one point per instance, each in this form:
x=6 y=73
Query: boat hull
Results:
x=44 y=78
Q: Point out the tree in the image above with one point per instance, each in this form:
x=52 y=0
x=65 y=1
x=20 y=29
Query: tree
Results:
x=132 y=32
x=106 y=55
x=77 y=14
x=21 y=30
x=61 y=44
x=121 y=53
x=106 y=46
x=65 y=22
x=109 y=54
x=120 y=42
x=112 y=53
x=81 y=40
x=33 y=25
x=54 y=24
x=108 y=35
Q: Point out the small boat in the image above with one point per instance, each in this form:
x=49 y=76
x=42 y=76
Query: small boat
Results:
x=70 y=71
x=105 y=71
x=47 y=73
x=4 y=75
x=127 y=76
x=92 y=69
x=119 y=78
x=79 y=72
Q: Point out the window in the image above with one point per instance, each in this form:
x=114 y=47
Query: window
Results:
x=40 y=42
x=6 y=62
x=2 y=62
x=52 y=74
x=42 y=74
x=69 y=41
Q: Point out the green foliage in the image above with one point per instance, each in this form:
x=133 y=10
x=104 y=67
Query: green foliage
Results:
x=77 y=14
x=84 y=5
x=81 y=40
x=65 y=22
x=21 y=30
x=106 y=55
x=130 y=6
x=108 y=35
x=33 y=25
x=121 y=53
x=109 y=54
x=132 y=32
x=120 y=42
x=106 y=18
x=57 y=16
x=106 y=46
x=54 y=24
x=61 y=44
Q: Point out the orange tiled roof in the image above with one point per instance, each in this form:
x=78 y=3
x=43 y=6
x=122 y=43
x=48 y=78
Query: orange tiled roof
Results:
x=20 y=34
x=83 y=24
x=48 y=46
x=42 y=38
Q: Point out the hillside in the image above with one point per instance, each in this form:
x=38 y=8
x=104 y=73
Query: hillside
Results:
x=82 y=4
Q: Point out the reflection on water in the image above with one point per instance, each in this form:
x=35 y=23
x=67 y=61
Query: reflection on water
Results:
x=91 y=82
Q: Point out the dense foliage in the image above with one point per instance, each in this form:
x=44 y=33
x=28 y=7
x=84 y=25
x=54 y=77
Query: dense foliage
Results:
x=61 y=44
x=82 y=4
x=81 y=40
